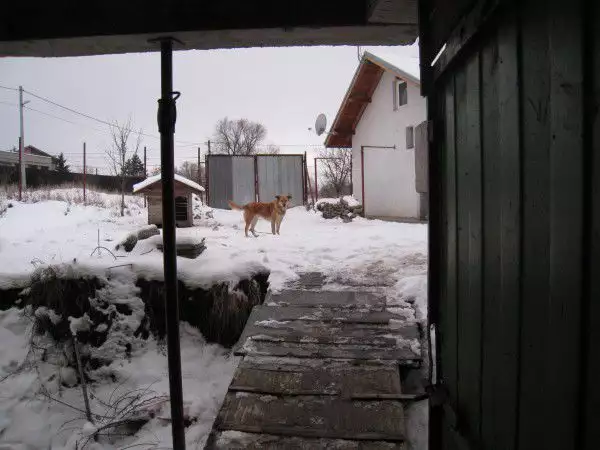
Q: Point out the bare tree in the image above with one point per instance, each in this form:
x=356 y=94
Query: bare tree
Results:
x=238 y=137
x=120 y=150
x=336 y=168
x=270 y=150
x=189 y=170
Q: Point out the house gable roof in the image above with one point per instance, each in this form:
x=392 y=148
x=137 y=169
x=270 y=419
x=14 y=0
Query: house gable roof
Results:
x=37 y=151
x=360 y=92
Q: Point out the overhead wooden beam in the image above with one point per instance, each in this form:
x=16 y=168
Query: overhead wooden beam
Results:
x=359 y=99
x=344 y=132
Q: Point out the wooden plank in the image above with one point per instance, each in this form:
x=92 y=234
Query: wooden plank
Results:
x=470 y=24
x=536 y=239
x=448 y=333
x=331 y=299
x=468 y=160
x=291 y=379
x=591 y=431
x=404 y=355
x=330 y=332
x=563 y=349
x=492 y=220
x=501 y=156
x=360 y=315
x=235 y=440
x=313 y=417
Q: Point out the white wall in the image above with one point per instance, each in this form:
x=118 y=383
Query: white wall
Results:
x=390 y=175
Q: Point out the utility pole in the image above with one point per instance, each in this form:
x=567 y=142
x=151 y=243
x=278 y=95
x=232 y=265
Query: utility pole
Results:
x=22 y=141
x=20 y=173
x=209 y=146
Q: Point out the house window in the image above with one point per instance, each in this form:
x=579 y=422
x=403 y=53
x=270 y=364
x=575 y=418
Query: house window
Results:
x=400 y=94
x=410 y=137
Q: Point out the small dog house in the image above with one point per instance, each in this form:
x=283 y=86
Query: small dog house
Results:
x=184 y=188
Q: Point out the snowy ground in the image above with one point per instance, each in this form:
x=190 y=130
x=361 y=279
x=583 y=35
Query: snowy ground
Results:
x=57 y=229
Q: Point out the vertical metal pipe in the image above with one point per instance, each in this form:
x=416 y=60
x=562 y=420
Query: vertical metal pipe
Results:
x=316 y=185
x=256 y=185
x=84 y=174
x=166 y=124
x=206 y=179
x=145 y=172
x=362 y=177
x=351 y=175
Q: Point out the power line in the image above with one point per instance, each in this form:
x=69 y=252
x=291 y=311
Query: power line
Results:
x=104 y=122
x=182 y=144
x=9 y=88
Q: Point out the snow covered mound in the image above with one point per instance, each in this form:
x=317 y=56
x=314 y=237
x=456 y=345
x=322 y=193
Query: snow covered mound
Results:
x=349 y=199
x=75 y=327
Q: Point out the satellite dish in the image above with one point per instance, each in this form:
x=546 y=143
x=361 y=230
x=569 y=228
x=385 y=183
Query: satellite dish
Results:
x=320 y=124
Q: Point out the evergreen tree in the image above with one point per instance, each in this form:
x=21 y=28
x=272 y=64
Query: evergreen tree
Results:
x=61 y=164
x=134 y=166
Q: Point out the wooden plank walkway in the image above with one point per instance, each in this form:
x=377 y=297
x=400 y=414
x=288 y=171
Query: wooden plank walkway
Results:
x=320 y=370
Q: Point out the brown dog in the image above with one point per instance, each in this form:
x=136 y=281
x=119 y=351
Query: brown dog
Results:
x=273 y=212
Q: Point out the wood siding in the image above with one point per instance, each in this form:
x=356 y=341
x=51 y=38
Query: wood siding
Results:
x=518 y=305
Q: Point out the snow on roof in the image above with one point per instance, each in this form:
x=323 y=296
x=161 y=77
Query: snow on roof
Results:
x=151 y=180
x=404 y=66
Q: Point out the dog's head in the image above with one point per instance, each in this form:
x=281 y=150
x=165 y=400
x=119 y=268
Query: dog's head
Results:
x=283 y=201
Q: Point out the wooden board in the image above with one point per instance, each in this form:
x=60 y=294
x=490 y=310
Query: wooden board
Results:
x=501 y=153
x=329 y=332
x=315 y=417
x=362 y=315
x=325 y=379
x=469 y=220
x=235 y=440
x=332 y=299
x=404 y=356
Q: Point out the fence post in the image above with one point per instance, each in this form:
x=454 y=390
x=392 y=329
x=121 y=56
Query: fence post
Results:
x=145 y=173
x=256 y=187
x=304 y=190
x=316 y=185
x=84 y=174
x=207 y=174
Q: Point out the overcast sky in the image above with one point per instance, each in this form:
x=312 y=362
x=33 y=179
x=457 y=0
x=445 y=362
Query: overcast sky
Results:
x=283 y=88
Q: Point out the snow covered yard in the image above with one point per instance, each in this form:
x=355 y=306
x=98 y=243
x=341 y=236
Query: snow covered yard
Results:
x=388 y=257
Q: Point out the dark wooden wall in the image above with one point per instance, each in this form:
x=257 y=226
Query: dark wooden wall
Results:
x=518 y=303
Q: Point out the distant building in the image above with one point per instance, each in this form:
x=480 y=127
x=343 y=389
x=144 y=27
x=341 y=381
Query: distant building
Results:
x=382 y=108
x=34 y=157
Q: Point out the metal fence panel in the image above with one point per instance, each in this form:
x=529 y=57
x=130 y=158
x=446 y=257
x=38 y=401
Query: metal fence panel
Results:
x=280 y=174
x=230 y=178
x=220 y=186
x=242 y=168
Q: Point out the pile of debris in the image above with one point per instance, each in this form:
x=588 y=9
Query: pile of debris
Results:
x=341 y=209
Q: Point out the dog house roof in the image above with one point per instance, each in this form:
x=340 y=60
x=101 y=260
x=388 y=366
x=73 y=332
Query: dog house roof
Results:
x=138 y=187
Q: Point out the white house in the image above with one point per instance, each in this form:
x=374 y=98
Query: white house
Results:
x=378 y=120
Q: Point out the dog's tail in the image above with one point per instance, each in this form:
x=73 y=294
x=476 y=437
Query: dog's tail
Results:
x=233 y=205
